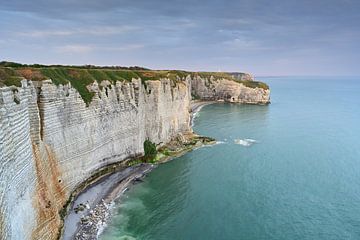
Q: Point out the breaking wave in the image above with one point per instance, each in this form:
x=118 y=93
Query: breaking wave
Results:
x=126 y=237
x=247 y=142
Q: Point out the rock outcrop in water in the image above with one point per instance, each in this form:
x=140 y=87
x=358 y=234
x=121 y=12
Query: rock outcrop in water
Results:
x=51 y=141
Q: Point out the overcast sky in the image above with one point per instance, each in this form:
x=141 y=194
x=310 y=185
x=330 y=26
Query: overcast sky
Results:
x=264 y=37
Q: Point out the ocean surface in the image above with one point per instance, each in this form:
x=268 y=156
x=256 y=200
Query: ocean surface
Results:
x=289 y=170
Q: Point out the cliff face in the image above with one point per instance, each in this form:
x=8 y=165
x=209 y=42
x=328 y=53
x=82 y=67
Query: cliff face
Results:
x=228 y=90
x=50 y=141
x=242 y=76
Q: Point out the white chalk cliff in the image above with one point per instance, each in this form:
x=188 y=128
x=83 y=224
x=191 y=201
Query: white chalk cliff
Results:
x=51 y=142
x=228 y=90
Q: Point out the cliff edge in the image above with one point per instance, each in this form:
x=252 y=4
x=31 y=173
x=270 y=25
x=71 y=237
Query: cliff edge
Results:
x=54 y=134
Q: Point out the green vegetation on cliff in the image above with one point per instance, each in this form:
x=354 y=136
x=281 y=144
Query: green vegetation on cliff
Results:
x=9 y=77
x=253 y=84
x=81 y=76
x=149 y=150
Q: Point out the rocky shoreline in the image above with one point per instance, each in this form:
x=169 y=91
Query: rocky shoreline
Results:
x=94 y=220
x=90 y=209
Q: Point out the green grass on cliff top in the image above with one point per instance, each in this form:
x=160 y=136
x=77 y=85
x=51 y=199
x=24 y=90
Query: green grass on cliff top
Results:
x=82 y=76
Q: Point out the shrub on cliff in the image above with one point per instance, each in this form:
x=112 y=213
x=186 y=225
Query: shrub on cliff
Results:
x=150 y=150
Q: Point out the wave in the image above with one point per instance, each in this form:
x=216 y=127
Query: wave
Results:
x=247 y=142
x=127 y=237
x=194 y=115
x=212 y=145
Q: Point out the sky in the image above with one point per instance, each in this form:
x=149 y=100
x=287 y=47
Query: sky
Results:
x=263 y=37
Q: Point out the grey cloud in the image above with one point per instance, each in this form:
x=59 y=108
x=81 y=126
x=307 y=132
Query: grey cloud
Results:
x=102 y=31
x=188 y=34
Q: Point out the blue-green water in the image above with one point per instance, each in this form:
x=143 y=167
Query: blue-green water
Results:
x=299 y=180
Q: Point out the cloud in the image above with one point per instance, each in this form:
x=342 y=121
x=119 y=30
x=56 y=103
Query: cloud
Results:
x=84 y=49
x=45 y=33
x=74 y=49
x=97 y=31
x=184 y=33
x=128 y=47
x=244 y=44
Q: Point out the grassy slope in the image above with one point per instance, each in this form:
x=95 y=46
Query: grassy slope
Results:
x=80 y=77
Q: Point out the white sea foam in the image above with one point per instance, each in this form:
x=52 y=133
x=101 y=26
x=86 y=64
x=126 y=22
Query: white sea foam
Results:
x=212 y=145
x=195 y=115
x=101 y=225
x=101 y=228
x=127 y=237
x=247 y=142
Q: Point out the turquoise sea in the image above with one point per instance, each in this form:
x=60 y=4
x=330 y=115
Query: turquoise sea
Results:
x=289 y=170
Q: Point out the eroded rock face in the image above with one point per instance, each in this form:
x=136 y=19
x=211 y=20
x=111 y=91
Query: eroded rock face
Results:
x=17 y=170
x=227 y=90
x=50 y=141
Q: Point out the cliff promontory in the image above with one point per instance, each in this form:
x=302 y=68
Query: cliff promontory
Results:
x=229 y=90
x=58 y=125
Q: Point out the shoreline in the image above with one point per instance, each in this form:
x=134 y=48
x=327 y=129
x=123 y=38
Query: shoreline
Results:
x=195 y=107
x=90 y=206
x=89 y=210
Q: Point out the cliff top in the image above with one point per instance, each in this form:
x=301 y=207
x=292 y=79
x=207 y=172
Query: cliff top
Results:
x=81 y=76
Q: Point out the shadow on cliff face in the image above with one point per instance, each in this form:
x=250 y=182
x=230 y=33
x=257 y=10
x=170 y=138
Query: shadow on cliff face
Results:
x=50 y=193
x=2 y=225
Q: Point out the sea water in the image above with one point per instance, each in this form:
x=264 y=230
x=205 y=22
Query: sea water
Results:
x=289 y=170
